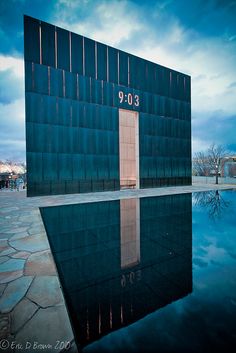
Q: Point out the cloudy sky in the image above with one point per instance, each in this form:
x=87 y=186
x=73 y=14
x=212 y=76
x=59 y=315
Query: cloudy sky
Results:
x=196 y=37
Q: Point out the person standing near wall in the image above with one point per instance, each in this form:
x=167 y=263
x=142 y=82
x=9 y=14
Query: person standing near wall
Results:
x=19 y=184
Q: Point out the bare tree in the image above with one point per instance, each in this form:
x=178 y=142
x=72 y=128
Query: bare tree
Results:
x=215 y=155
x=200 y=164
x=204 y=163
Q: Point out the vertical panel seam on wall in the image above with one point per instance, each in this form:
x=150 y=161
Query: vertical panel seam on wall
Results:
x=40 y=43
x=102 y=84
x=90 y=89
x=96 y=61
x=71 y=116
x=83 y=58
x=107 y=65
x=63 y=83
x=33 y=81
x=128 y=73
x=118 y=64
x=113 y=96
x=70 y=52
x=77 y=86
x=55 y=35
x=177 y=88
x=49 y=90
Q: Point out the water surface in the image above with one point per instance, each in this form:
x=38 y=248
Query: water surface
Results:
x=149 y=275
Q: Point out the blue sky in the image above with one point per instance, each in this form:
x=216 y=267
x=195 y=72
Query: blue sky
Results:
x=196 y=37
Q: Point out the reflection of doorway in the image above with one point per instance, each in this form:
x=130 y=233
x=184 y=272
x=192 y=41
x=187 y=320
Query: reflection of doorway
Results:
x=129 y=148
x=129 y=232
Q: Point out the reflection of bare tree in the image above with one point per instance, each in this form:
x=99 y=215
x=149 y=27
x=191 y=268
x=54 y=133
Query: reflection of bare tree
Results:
x=213 y=201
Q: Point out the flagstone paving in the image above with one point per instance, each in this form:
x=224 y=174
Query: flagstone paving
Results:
x=7 y=251
x=14 y=292
x=45 y=291
x=6 y=277
x=33 y=243
x=21 y=255
x=54 y=327
x=40 y=264
x=32 y=307
x=12 y=265
x=3 y=259
x=22 y=313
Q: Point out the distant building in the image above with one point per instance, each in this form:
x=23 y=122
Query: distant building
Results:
x=98 y=118
x=229 y=167
x=10 y=171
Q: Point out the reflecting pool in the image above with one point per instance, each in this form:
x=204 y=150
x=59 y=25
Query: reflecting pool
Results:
x=153 y=274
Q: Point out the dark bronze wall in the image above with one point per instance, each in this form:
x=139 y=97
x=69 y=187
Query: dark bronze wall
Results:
x=74 y=88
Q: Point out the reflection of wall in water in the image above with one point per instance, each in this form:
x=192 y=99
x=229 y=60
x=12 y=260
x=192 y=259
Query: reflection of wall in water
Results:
x=103 y=291
x=129 y=233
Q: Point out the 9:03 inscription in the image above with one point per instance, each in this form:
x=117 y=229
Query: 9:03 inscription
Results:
x=129 y=98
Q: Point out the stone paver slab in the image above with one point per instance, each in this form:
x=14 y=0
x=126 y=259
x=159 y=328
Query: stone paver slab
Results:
x=14 y=292
x=9 y=209
x=12 y=265
x=19 y=236
x=12 y=230
x=46 y=328
x=23 y=311
x=21 y=255
x=36 y=230
x=7 y=251
x=32 y=243
x=3 y=259
x=45 y=291
x=2 y=287
x=6 y=277
x=40 y=263
x=3 y=243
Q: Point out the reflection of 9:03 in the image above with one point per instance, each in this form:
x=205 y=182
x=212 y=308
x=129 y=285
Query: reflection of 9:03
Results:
x=129 y=98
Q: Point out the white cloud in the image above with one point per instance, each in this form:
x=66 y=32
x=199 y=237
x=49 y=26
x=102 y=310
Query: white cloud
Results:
x=209 y=62
x=14 y=64
x=12 y=130
x=164 y=40
x=156 y=36
x=108 y=22
x=199 y=145
x=13 y=115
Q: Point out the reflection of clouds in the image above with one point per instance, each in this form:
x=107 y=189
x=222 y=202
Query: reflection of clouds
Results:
x=204 y=321
x=209 y=255
x=199 y=262
x=233 y=255
x=202 y=250
x=215 y=263
x=189 y=325
x=213 y=239
x=201 y=322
